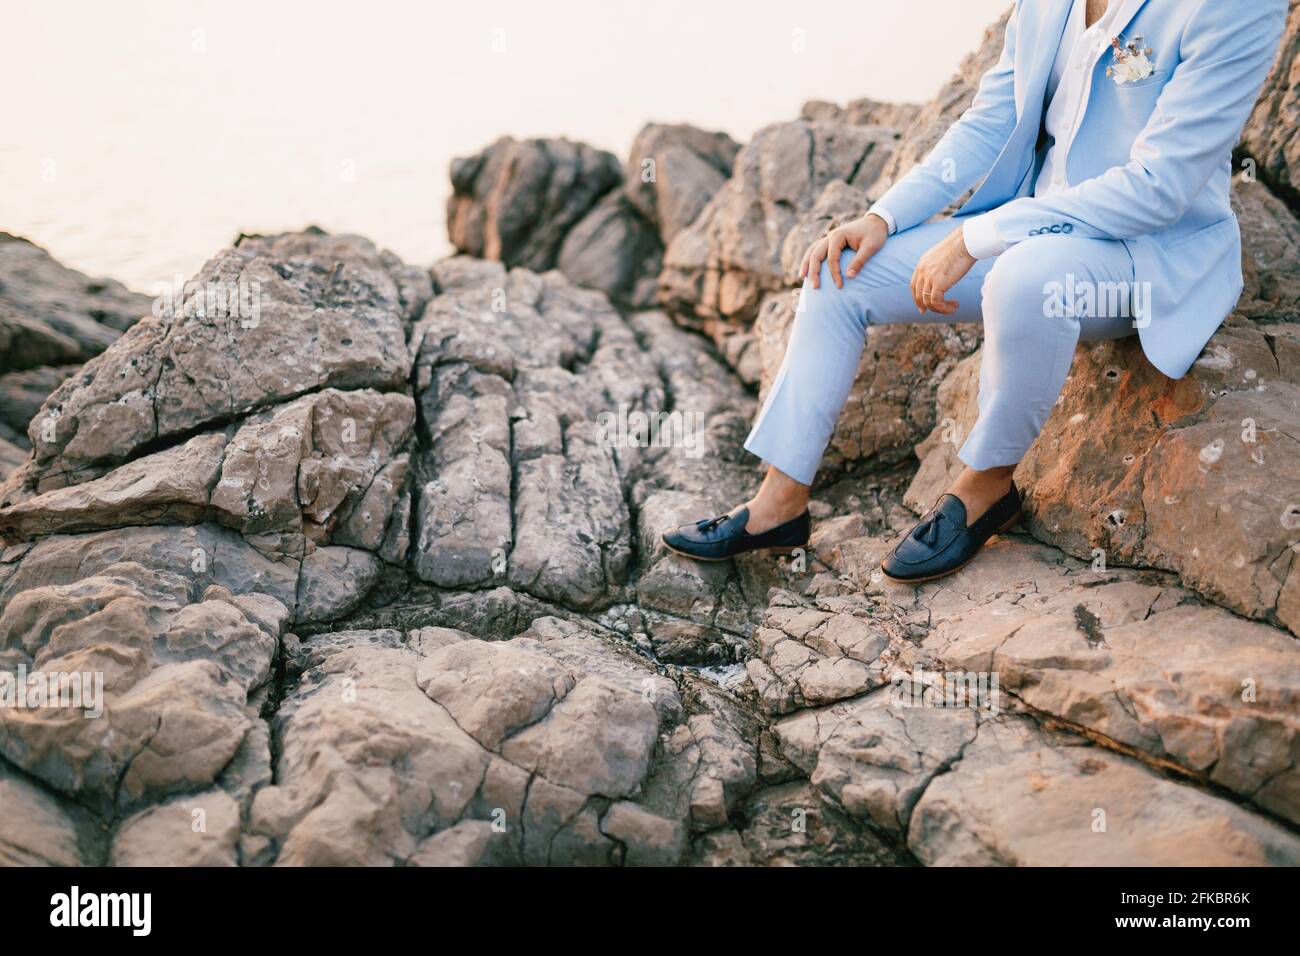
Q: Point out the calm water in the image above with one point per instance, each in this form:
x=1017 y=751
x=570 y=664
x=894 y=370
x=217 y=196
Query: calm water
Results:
x=139 y=138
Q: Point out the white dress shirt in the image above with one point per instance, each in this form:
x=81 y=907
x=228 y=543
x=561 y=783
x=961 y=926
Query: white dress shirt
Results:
x=1067 y=93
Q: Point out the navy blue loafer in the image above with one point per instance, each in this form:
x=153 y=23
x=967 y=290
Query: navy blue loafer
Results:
x=723 y=537
x=942 y=543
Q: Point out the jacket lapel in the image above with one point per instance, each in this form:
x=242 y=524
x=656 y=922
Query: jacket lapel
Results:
x=1040 y=44
x=1127 y=11
x=1036 y=52
x=1043 y=47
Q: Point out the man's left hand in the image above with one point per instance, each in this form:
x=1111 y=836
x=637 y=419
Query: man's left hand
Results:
x=938 y=271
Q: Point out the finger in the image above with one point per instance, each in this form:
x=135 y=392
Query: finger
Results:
x=833 y=258
x=937 y=303
x=816 y=254
x=918 y=283
x=933 y=299
x=863 y=254
x=803 y=264
x=944 y=306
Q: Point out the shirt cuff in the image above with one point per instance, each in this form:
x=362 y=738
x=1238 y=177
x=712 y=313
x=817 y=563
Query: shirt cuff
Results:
x=886 y=215
x=982 y=239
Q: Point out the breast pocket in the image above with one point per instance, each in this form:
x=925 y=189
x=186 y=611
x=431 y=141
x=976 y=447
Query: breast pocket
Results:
x=1157 y=78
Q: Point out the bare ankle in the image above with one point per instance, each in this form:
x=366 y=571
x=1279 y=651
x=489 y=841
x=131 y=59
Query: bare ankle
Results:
x=779 y=500
x=978 y=490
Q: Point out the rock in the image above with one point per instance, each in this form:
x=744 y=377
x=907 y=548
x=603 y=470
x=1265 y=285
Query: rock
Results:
x=156 y=686
x=333 y=581
x=327 y=465
x=1270 y=258
x=647 y=840
x=862 y=112
x=806 y=657
x=1269 y=136
x=202 y=555
x=891 y=406
x=38 y=828
x=475 y=752
x=722 y=265
x=875 y=758
x=493 y=690
x=22 y=394
x=11 y=456
x=468 y=843
x=1018 y=799
x=615 y=250
x=515 y=201
x=328 y=313
x=673 y=170
x=707 y=765
x=365 y=761
x=537 y=427
x=33 y=343
x=168 y=487
x=1188 y=475
x=1082 y=648
x=198 y=830
x=53 y=315
x=791 y=825
x=1128 y=657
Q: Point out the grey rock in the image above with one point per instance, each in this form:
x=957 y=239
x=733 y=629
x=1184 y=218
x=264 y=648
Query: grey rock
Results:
x=333 y=581
x=515 y=201
x=673 y=170
x=722 y=265
x=615 y=250
x=53 y=315
x=328 y=314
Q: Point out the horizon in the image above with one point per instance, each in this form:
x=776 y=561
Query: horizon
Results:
x=146 y=142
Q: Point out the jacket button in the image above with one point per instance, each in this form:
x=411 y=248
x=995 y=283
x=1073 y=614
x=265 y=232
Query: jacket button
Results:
x=1067 y=227
x=1033 y=232
x=1055 y=229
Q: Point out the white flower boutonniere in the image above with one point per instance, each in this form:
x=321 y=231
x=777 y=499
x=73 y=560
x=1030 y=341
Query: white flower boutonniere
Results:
x=1132 y=61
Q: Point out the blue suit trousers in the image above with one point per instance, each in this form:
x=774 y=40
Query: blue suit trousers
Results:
x=1037 y=301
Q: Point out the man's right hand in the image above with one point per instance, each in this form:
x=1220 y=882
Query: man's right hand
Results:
x=865 y=236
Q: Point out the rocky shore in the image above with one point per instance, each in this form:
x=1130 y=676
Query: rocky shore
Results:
x=368 y=581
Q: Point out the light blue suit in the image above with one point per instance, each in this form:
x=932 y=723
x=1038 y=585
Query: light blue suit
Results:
x=1151 y=161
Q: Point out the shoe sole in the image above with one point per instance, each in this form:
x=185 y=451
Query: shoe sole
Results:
x=696 y=557
x=944 y=574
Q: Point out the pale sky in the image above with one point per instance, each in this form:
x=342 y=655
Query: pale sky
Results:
x=141 y=137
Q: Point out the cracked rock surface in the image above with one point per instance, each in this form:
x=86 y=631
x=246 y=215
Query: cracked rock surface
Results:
x=377 y=577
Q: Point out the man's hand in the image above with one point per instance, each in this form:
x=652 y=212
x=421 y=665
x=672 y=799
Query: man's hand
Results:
x=865 y=236
x=938 y=271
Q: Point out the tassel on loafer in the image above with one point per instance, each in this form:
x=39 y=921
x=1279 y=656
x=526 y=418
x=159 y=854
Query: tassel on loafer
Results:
x=943 y=543
x=723 y=537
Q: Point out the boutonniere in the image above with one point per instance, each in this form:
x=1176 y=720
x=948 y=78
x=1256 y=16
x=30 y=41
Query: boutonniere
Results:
x=1132 y=61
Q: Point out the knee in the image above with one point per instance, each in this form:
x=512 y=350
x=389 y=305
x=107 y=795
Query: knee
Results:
x=1019 y=288
x=826 y=300
x=850 y=303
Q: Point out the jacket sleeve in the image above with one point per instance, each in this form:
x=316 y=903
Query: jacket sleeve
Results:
x=1227 y=49
x=967 y=151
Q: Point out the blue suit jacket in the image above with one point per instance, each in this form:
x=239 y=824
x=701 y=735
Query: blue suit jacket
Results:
x=1151 y=160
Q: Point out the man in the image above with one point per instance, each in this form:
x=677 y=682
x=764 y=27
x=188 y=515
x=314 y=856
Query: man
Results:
x=1103 y=139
